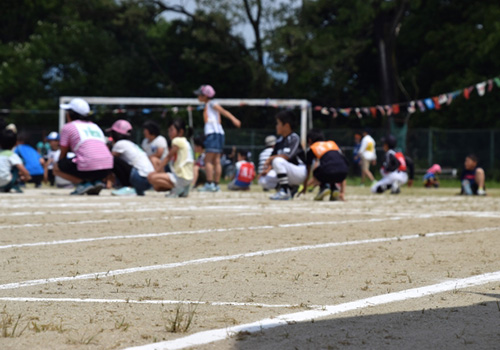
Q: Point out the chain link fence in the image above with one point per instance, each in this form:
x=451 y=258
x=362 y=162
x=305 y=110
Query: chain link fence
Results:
x=425 y=146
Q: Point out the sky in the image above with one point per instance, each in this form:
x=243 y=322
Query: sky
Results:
x=244 y=30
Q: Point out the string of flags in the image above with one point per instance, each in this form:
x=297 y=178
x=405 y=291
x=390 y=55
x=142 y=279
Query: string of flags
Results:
x=423 y=105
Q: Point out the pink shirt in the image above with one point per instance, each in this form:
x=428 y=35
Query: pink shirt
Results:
x=87 y=141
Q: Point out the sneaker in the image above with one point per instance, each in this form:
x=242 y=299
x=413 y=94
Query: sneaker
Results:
x=481 y=192
x=82 y=188
x=334 y=196
x=182 y=192
x=185 y=191
x=17 y=189
x=216 y=188
x=294 y=190
x=281 y=195
x=207 y=188
x=467 y=190
x=395 y=188
x=124 y=191
x=97 y=186
x=323 y=192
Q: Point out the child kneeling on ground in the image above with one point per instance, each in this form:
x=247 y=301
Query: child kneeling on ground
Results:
x=11 y=165
x=472 y=177
x=285 y=169
x=131 y=164
x=245 y=173
x=177 y=182
x=394 y=169
x=329 y=164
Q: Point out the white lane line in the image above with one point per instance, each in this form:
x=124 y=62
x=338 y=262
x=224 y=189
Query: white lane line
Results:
x=86 y=222
x=211 y=336
x=135 y=210
x=154 y=301
x=194 y=232
x=97 y=275
x=70 y=203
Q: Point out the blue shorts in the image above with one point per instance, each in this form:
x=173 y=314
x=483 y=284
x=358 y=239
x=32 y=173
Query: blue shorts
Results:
x=140 y=183
x=214 y=143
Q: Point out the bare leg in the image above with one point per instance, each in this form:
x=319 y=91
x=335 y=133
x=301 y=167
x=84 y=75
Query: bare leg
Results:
x=369 y=174
x=160 y=181
x=196 y=171
x=480 y=178
x=342 y=190
x=218 y=168
x=210 y=166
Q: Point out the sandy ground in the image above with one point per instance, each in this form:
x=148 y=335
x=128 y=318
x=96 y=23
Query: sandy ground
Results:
x=100 y=272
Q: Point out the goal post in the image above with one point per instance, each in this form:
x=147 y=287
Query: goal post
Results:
x=304 y=105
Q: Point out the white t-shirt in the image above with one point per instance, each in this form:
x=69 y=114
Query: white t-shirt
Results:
x=151 y=147
x=134 y=156
x=53 y=156
x=8 y=160
x=213 y=124
x=367 y=148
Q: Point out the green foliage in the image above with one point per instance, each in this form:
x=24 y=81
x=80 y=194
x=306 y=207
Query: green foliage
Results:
x=323 y=50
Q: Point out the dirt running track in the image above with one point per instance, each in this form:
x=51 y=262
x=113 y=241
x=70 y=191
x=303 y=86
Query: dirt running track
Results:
x=416 y=271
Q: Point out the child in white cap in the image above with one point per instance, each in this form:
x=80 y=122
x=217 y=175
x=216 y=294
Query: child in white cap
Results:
x=93 y=160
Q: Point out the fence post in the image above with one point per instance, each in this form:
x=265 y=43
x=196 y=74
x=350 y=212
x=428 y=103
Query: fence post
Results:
x=429 y=147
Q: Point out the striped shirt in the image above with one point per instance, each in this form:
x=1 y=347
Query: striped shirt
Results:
x=263 y=156
x=88 y=143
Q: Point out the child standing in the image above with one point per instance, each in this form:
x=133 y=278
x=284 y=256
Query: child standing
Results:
x=131 y=164
x=245 y=173
x=472 y=177
x=368 y=155
x=331 y=166
x=181 y=154
x=430 y=177
x=394 y=169
x=11 y=166
x=214 y=136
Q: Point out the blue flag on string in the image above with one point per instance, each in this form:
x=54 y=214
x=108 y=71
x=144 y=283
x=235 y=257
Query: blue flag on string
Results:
x=429 y=103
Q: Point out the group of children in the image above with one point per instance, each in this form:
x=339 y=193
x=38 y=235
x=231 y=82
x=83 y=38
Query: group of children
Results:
x=84 y=157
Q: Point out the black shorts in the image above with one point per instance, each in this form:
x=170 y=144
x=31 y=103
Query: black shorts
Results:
x=329 y=176
x=67 y=166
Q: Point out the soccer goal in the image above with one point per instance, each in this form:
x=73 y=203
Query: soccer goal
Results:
x=304 y=105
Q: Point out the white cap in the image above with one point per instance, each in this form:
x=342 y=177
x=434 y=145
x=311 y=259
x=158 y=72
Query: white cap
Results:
x=53 y=136
x=11 y=127
x=270 y=140
x=77 y=105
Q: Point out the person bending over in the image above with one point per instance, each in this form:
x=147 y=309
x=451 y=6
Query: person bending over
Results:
x=285 y=169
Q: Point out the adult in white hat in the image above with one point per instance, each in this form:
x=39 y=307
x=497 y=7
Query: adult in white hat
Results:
x=93 y=160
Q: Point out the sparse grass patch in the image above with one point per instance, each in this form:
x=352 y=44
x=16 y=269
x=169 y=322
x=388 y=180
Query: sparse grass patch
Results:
x=181 y=319
x=10 y=325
